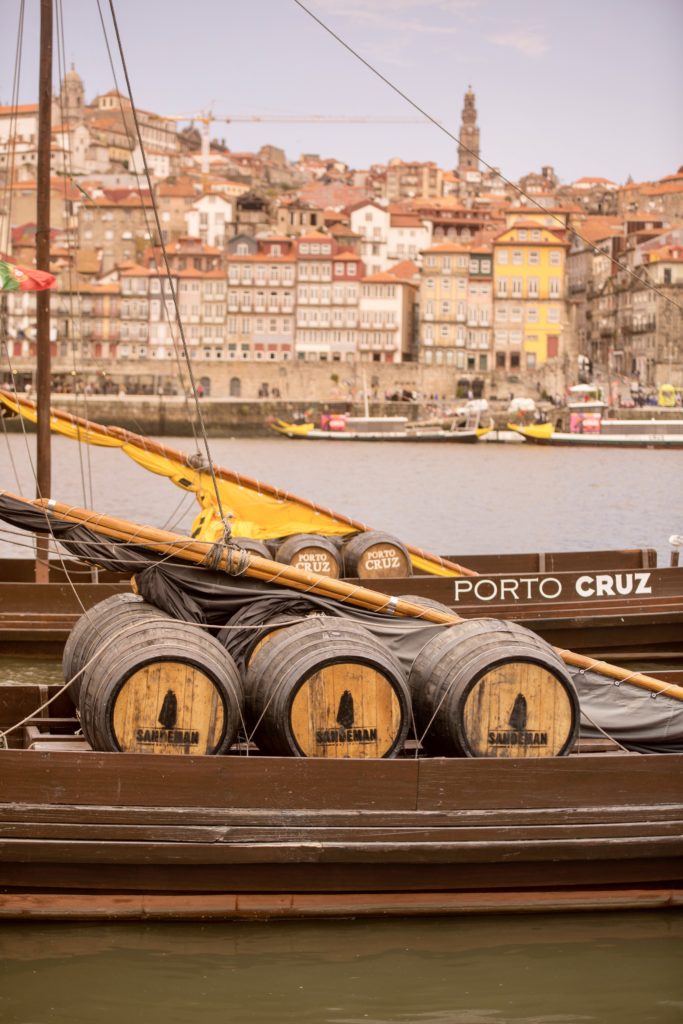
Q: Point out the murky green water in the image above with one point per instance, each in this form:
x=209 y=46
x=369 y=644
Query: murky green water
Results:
x=559 y=969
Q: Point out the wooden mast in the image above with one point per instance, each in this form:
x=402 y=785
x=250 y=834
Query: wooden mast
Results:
x=43 y=480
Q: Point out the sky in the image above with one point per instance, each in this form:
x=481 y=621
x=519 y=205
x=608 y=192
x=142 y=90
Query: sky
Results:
x=592 y=87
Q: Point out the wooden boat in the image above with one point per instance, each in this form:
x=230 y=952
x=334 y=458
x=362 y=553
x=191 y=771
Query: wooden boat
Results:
x=610 y=434
x=377 y=428
x=87 y=834
x=90 y=834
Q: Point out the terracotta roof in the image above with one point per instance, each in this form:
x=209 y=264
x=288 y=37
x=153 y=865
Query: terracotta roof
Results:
x=180 y=190
x=384 y=277
x=405 y=220
x=22 y=108
x=137 y=271
x=405 y=270
x=594 y=181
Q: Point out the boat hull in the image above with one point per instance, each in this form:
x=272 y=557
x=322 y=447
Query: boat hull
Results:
x=90 y=835
x=440 y=436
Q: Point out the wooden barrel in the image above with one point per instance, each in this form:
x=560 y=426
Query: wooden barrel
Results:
x=165 y=688
x=251 y=627
x=255 y=547
x=312 y=553
x=95 y=626
x=327 y=688
x=376 y=555
x=426 y=602
x=486 y=688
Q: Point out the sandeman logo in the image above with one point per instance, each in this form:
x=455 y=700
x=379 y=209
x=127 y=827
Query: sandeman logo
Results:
x=346 y=733
x=518 y=735
x=168 y=717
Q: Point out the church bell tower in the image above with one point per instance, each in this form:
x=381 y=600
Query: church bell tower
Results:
x=468 y=150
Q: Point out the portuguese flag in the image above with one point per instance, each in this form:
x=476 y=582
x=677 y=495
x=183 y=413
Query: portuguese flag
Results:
x=24 y=279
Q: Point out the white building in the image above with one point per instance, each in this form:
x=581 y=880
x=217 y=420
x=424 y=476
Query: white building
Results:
x=209 y=218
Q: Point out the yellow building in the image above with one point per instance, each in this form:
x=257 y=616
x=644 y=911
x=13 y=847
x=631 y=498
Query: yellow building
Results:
x=530 y=315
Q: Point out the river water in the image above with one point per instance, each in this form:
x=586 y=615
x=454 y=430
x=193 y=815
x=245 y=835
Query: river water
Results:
x=452 y=499
x=554 y=969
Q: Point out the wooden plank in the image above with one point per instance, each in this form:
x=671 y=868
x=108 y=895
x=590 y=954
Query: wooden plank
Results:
x=320 y=784
x=296 y=834
x=231 y=906
x=337 y=877
x=555 y=782
x=158 y=780
x=347 y=851
x=312 y=877
x=519 y=817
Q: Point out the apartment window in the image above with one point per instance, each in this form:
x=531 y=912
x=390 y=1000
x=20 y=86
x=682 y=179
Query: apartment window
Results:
x=521 y=234
x=501 y=288
x=532 y=315
x=514 y=360
x=555 y=285
x=533 y=287
x=443 y=331
x=535 y=235
x=430 y=261
x=553 y=315
x=531 y=360
x=445 y=263
x=516 y=286
x=445 y=284
x=486 y=266
x=445 y=308
x=501 y=314
x=555 y=258
x=474 y=266
x=502 y=256
x=534 y=256
x=500 y=360
x=483 y=361
x=517 y=257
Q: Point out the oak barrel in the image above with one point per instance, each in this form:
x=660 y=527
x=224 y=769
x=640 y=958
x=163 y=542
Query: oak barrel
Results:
x=426 y=602
x=376 y=555
x=166 y=688
x=255 y=547
x=327 y=688
x=250 y=627
x=97 y=624
x=310 y=552
x=486 y=688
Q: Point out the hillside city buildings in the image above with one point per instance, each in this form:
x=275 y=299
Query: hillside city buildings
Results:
x=313 y=261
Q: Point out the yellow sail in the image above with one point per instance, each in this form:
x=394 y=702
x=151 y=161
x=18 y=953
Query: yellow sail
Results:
x=255 y=509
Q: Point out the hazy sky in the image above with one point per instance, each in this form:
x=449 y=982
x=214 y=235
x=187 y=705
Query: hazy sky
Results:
x=593 y=87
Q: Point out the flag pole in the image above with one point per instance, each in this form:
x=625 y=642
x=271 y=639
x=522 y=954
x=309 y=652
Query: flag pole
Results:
x=43 y=372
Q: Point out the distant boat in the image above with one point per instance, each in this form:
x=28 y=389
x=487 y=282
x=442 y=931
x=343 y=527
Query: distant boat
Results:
x=609 y=434
x=381 y=428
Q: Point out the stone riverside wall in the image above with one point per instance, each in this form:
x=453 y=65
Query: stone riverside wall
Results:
x=168 y=416
x=295 y=381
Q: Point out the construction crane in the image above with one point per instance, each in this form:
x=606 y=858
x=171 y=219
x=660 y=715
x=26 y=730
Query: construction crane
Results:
x=207 y=118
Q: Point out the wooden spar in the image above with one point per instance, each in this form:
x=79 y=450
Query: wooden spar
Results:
x=230 y=476
x=43 y=474
x=254 y=566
